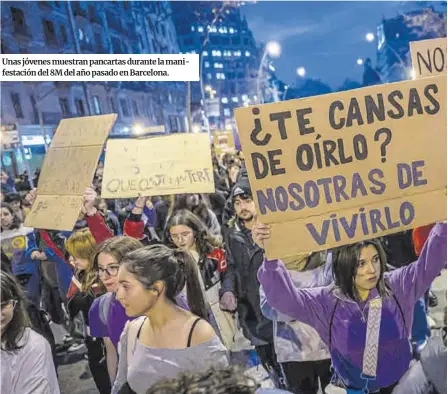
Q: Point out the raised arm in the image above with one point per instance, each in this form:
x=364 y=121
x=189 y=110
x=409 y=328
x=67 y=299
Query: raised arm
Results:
x=414 y=279
x=320 y=276
x=95 y=220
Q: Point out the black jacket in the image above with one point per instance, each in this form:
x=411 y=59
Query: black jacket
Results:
x=244 y=258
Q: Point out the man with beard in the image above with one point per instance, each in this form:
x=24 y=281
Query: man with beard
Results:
x=244 y=258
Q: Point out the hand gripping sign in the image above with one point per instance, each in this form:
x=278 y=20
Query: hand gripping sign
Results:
x=336 y=169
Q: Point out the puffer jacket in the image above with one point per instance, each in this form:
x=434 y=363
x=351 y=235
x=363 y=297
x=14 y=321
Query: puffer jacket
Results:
x=342 y=322
x=244 y=258
x=294 y=340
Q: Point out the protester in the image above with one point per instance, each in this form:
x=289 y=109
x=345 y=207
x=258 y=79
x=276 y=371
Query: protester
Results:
x=109 y=216
x=15 y=200
x=133 y=225
x=26 y=358
x=244 y=258
x=304 y=358
x=166 y=339
x=185 y=231
x=107 y=316
x=85 y=288
x=230 y=380
x=338 y=313
x=15 y=242
x=200 y=206
x=7 y=183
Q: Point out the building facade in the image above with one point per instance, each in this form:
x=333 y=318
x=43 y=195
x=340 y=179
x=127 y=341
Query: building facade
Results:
x=229 y=58
x=393 y=38
x=87 y=28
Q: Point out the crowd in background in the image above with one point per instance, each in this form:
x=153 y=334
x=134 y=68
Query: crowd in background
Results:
x=155 y=288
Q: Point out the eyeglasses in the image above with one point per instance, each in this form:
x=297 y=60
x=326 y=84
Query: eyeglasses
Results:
x=112 y=270
x=181 y=236
x=8 y=304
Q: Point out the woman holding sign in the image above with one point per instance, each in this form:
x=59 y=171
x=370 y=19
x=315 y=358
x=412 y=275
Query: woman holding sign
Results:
x=365 y=318
x=185 y=231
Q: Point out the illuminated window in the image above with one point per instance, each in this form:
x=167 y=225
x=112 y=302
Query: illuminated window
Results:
x=247 y=53
x=205 y=53
x=207 y=64
x=224 y=100
x=226 y=112
x=200 y=29
x=235 y=99
x=231 y=30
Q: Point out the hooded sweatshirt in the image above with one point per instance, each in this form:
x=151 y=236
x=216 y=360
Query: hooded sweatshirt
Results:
x=342 y=322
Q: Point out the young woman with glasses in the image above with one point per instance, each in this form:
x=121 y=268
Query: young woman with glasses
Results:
x=82 y=293
x=26 y=359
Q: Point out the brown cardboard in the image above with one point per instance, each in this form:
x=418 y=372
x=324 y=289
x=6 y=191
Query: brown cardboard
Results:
x=223 y=142
x=429 y=57
x=165 y=165
x=68 y=169
x=421 y=137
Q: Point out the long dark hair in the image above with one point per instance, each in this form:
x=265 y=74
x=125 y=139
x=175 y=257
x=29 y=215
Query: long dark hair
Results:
x=346 y=263
x=173 y=267
x=10 y=290
x=202 y=210
x=205 y=242
x=16 y=222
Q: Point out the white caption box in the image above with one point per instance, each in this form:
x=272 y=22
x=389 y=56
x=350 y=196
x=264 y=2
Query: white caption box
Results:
x=70 y=67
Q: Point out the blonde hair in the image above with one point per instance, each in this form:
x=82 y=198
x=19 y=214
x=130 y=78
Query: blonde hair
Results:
x=82 y=245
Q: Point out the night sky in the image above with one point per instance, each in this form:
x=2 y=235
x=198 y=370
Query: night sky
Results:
x=326 y=38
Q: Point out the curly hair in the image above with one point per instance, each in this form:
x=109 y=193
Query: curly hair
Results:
x=230 y=380
x=205 y=242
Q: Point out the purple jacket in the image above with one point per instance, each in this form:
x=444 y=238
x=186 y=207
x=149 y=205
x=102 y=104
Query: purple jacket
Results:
x=318 y=306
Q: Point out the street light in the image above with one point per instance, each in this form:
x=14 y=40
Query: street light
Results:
x=301 y=72
x=272 y=49
x=137 y=129
x=370 y=37
x=360 y=62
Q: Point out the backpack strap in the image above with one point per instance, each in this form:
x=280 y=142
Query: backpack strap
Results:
x=133 y=332
x=105 y=302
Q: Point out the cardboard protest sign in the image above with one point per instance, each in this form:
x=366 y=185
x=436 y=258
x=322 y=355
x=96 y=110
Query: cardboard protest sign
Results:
x=223 y=142
x=429 y=57
x=171 y=164
x=68 y=169
x=336 y=169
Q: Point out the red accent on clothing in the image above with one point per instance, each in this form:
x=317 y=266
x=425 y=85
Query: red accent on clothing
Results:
x=47 y=239
x=72 y=290
x=98 y=228
x=220 y=256
x=419 y=237
x=134 y=229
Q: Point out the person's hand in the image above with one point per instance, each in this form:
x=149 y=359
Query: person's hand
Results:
x=139 y=205
x=43 y=256
x=260 y=233
x=31 y=196
x=89 y=202
x=35 y=255
x=228 y=302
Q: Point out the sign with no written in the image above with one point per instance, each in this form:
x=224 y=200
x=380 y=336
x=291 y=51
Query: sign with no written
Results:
x=337 y=169
x=223 y=142
x=429 y=57
x=68 y=169
x=172 y=164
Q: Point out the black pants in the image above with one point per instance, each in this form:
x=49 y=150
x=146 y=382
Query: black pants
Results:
x=303 y=377
x=98 y=365
x=268 y=359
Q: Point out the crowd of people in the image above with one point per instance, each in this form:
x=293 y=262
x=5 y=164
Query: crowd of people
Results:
x=155 y=289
